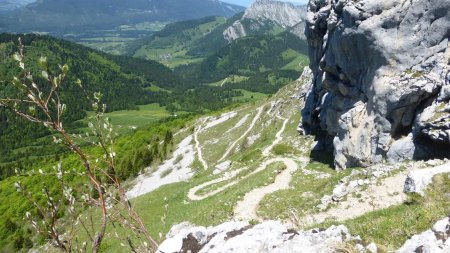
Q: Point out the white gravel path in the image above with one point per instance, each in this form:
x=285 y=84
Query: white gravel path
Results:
x=279 y=138
x=378 y=196
x=224 y=81
x=221 y=119
x=192 y=194
x=239 y=124
x=199 y=149
x=146 y=183
x=233 y=145
x=247 y=207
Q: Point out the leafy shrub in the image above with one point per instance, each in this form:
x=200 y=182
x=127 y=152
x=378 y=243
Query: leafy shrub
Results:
x=166 y=173
x=282 y=149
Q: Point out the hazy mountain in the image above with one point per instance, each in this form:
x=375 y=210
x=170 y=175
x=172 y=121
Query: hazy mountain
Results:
x=65 y=16
x=200 y=51
x=184 y=42
x=265 y=16
x=9 y=5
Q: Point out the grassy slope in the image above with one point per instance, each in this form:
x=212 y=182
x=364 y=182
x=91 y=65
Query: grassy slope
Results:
x=13 y=210
x=228 y=80
x=219 y=208
x=175 y=40
x=115 y=76
x=117 y=39
x=145 y=115
x=127 y=120
x=391 y=227
x=401 y=221
x=251 y=56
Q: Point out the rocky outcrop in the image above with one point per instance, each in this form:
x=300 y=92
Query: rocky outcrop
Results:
x=419 y=179
x=234 y=32
x=270 y=236
x=263 y=15
x=435 y=240
x=299 y=30
x=381 y=79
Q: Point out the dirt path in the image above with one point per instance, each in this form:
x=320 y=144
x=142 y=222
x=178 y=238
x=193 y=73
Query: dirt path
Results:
x=198 y=148
x=376 y=197
x=247 y=207
x=192 y=194
x=239 y=124
x=224 y=81
x=266 y=151
x=233 y=145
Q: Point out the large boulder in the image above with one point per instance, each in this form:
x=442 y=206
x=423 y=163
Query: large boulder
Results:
x=419 y=179
x=435 y=240
x=381 y=79
x=268 y=237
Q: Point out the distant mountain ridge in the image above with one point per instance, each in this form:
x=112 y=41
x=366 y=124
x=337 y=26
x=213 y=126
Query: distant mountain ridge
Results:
x=264 y=16
x=272 y=47
x=9 y=5
x=75 y=15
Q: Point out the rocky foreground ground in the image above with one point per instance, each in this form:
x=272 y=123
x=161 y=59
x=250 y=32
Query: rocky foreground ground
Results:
x=376 y=95
x=243 y=235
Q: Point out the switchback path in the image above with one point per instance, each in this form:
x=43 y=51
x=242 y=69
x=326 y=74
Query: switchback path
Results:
x=232 y=146
x=247 y=207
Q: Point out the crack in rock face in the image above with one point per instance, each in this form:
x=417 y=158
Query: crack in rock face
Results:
x=381 y=79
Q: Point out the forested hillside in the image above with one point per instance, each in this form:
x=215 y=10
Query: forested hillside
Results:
x=97 y=73
x=172 y=44
x=267 y=62
x=213 y=41
x=185 y=40
x=124 y=82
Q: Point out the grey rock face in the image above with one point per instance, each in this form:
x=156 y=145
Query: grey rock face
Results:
x=269 y=236
x=299 y=30
x=306 y=79
x=435 y=240
x=263 y=14
x=419 y=179
x=381 y=72
x=401 y=150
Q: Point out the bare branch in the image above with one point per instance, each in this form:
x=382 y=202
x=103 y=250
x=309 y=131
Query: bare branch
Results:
x=96 y=170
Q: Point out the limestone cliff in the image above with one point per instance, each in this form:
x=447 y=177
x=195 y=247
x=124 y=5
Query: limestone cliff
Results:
x=381 y=82
x=264 y=16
